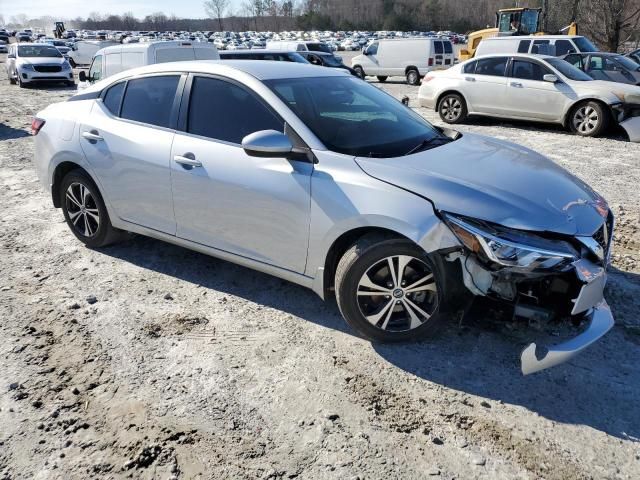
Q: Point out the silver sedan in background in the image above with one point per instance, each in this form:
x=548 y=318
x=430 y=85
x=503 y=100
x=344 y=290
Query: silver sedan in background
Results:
x=324 y=180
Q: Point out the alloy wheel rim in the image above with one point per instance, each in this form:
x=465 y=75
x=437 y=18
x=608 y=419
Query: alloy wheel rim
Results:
x=82 y=209
x=451 y=108
x=397 y=293
x=413 y=77
x=586 y=119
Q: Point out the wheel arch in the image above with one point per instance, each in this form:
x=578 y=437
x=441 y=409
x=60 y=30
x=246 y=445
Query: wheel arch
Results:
x=341 y=244
x=59 y=172
x=567 y=114
x=411 y=67
x=448 y=92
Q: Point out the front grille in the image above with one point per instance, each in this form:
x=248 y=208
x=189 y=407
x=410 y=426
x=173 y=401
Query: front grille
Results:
x=47 y=68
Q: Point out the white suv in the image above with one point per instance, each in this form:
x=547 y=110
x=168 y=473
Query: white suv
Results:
x=532 y=87
x=36 y=62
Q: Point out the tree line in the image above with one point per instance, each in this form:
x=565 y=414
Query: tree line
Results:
x=610 y=23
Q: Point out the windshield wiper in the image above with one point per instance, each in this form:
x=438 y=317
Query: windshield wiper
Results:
x=429 y=142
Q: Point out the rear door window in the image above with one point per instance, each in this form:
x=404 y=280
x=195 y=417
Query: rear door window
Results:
x=540 y=46
x=469 y=68
x=494 y=67
x=212 y=100
x=523 y=47
x=575 y=60
x=438 y=47
x=150 y=100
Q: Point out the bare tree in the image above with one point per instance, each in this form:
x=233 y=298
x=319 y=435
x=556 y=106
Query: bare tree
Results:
x=216 y=9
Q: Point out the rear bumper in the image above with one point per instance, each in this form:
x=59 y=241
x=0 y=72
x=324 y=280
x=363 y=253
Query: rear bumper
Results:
x=535 y=358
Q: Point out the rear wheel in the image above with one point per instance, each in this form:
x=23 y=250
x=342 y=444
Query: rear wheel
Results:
x=382 y=78
x=359 y=71
x=388 y=290
x=85 y=211
x=413 y=77
x=589 y=119
x=452 y=108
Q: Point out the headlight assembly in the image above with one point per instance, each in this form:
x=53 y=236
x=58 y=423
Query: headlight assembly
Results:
x=510 y=248
x=27 y=66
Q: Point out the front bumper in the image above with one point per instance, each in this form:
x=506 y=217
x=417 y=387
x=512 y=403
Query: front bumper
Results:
x=32 y=76
x=628 y=117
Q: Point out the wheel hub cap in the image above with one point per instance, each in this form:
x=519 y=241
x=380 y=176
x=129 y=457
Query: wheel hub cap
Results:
x=397 y=293
x=82 y=210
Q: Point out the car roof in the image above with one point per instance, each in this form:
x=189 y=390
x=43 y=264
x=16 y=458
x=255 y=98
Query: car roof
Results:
x=256 y=52
x=534 y=37
x=602 y=54
x=260 y=69
x=532 y=56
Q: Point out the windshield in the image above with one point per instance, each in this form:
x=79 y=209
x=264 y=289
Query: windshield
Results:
x=331 y=61
x=568 y=70
x=585 y=45
x=38 y=51
x=296 y=57
x=352 y=117
x=318 y=47
x=627 y=63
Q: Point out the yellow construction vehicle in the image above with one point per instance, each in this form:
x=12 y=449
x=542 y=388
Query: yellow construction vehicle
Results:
x=511 y=21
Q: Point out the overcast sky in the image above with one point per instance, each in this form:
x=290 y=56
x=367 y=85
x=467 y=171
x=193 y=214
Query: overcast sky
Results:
x=74 y=8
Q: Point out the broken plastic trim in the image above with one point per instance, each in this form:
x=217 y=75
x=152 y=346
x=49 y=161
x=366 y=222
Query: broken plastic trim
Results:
x=632 y=127
x=534 y=358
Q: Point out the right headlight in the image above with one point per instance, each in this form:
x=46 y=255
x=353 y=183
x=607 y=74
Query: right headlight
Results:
x=511 y=248
x=27 y=66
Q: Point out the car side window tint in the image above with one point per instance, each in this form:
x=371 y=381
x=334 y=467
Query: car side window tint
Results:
x=438 y=47
x=373 y=49
x=528 y=70
x=470 y=68
x=564 y=46
x=523 y=47
x=448 y=48
x=540 y=47
x=113 y=98
x=212 y=100
x=150 y=100
x=575 y=60
x=596 y=63
x=494 y=67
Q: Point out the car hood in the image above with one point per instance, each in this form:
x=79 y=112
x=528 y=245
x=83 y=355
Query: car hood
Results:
x=498 y=182
x=603 y=86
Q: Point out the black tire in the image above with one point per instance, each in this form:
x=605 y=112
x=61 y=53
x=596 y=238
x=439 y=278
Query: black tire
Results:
x=71 y=84
x=371 y=254
x=452 y=108
x=382 y=78
x=95 y=233
x=359 y=71
x=12 y=80
x=589 y=119
x=413 y=77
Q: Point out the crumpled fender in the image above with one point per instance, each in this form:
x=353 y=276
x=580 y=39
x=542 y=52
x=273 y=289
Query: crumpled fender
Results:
x=632 y=127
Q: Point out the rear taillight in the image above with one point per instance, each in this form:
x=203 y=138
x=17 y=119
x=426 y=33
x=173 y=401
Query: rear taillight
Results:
x=431 y=62
x=36 y=125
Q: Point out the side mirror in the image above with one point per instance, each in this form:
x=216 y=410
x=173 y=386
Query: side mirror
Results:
x=267 y=143
x=364 y=51
x=551 y=78
x=82 y=76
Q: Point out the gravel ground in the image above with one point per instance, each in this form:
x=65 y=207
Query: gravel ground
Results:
x=146 y=360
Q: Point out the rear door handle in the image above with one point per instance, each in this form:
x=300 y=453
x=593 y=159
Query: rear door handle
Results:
x=516 y=84
x=187 y=160
x=92 y=136
x=470 y=79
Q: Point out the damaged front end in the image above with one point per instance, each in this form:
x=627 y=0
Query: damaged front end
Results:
x=627 y=115
x=543 y=277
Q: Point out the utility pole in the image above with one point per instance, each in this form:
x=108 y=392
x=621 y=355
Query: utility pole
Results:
x=545 y=15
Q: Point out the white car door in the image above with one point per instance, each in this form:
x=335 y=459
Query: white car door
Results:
x=223 y=198
x=128 y=144
x=485 y=88
x=370 y=62
x=529 y=96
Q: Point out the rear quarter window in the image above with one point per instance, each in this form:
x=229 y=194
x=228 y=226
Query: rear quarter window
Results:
x=113 y=98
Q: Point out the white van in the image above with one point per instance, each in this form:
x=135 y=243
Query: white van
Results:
x=555 y=45
x=115 y=59
x=82 y=52
x=412 y=58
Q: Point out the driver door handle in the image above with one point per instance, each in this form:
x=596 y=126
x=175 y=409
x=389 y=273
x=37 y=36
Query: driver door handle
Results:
x=516 y=84
x=186 y=161
x=470 y=79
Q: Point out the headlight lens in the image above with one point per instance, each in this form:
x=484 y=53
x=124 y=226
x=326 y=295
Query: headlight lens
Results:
x=66 y=65
x=27 y=66
x=510 y=248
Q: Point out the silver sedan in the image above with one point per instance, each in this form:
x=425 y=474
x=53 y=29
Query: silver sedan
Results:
x=321 y=179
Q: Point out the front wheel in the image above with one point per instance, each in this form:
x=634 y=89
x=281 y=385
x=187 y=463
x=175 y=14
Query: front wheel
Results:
x=85 y=211
x=588 y=119
x=452 y=108
x=359 y=71
x=388 y=290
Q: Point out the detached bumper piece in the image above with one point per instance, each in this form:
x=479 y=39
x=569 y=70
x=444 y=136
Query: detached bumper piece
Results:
x=632 y=127
x=600 y=320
